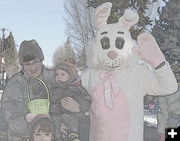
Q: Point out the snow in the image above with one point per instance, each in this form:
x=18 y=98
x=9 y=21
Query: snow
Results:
x=152 y=12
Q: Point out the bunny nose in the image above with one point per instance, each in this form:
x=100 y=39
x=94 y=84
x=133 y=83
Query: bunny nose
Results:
x=112 y=55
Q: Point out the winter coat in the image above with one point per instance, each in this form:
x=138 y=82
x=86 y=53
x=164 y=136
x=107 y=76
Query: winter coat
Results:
x=14 y=103
x=169 y=105
x=73 y=120
x=73 y=90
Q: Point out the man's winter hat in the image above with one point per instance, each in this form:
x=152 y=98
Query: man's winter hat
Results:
x=70 y=69
x=30 y=50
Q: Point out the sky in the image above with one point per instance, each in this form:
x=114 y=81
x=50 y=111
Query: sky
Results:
x=41 y=20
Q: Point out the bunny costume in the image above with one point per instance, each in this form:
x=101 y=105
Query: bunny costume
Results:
x=118 y=82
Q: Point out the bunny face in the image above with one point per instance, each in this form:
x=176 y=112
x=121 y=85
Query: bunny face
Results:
x=112 y=44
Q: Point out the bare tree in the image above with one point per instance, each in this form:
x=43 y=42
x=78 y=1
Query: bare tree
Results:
x=79 y=25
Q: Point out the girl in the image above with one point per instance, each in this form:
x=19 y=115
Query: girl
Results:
x=41 y=128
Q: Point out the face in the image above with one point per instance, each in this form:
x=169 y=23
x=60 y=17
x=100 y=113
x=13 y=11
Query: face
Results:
x=42 y=136
x=111 y=48
x=114 y=46
x=33 y=68
x=62 y=76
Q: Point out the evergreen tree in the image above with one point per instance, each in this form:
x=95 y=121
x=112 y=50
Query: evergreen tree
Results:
x=70 y=54
x=167 y=33
x=10 y=55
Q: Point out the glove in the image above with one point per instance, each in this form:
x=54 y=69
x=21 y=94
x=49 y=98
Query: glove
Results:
x=149 y=50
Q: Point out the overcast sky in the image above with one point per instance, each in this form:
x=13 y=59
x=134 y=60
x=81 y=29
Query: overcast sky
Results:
x=35 y=19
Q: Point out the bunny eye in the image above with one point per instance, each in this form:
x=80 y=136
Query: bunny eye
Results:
x=105 y=43
x=119 y=43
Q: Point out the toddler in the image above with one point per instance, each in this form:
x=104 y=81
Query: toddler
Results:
x=70 y=103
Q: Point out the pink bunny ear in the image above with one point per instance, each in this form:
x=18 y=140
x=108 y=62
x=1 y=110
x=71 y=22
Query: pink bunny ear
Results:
x=101 y=14
x=129 y=19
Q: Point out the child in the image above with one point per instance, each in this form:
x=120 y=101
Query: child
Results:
x=41 y=128
x=70 y=102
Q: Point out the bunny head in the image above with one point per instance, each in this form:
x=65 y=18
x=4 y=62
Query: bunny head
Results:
x=112 y=44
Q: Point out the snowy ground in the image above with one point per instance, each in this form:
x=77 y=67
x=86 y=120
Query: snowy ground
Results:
x=150 y=126
x=150 y=119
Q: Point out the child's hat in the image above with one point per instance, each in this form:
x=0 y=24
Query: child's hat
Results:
x=70 y=69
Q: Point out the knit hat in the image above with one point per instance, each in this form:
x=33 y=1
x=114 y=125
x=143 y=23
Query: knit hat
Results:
x=70 y=69
x=30 y=50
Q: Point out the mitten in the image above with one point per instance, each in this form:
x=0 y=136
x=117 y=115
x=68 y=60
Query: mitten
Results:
x=149 y=50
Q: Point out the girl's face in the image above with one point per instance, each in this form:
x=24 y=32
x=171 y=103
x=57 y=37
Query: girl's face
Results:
x=42 y=136
x=62 y=76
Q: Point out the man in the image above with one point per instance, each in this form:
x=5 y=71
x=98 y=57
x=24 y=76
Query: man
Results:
x=169 y=117
x=15 y=99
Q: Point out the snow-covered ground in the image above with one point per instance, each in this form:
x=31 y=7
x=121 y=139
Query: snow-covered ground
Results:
x=150 y=119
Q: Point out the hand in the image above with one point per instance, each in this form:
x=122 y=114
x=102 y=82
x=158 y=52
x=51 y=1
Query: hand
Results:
x=70 y=104
x=63 y=129
x=29 y=117
x=162 y=137
x=149 y=50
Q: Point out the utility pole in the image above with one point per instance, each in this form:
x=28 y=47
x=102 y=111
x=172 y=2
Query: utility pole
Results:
x=3 y=36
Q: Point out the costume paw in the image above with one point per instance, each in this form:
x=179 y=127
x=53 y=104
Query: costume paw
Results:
x=149 y=50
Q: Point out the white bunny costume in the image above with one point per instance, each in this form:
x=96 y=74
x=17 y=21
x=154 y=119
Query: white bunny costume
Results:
x=117 y=81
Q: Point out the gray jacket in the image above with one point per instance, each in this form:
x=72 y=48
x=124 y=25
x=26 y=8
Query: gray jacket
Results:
x=14 y=103
x=169 y=105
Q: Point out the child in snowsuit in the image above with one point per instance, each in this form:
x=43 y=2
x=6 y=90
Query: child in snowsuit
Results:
x=70 y=103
